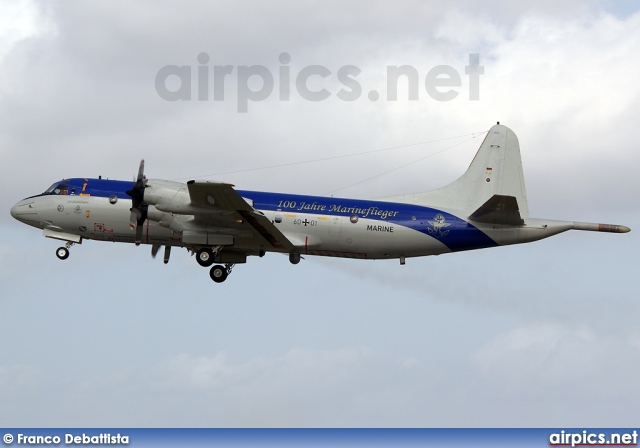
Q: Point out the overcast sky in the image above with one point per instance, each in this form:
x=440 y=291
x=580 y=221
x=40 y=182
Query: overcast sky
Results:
x=544 y=334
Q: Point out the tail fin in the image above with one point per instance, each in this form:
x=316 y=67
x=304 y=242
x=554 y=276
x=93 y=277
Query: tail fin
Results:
x=495 y=170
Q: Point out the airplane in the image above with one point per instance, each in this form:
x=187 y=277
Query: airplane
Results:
x=486 y=207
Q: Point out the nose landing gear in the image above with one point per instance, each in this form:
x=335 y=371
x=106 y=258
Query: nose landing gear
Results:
x=63 y=252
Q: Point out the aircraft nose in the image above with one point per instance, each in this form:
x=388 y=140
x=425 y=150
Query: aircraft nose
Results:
x=25 y=210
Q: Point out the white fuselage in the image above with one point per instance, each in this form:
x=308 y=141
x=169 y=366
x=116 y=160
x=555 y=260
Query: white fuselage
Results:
x=406 y=230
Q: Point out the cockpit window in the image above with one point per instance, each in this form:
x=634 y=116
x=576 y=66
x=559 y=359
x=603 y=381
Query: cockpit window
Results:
x=61 y=188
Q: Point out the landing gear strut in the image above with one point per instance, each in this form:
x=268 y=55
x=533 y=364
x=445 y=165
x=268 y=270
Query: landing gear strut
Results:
x=219 y=273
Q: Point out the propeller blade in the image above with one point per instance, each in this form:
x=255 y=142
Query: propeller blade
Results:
x=167 y=254
x=154 y=250
x=139 y=208
x=133 y=218
x=138 y=235
x=141 y=171
x=137 y=192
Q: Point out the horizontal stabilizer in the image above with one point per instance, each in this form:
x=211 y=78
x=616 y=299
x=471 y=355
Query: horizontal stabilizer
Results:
x=499 y=209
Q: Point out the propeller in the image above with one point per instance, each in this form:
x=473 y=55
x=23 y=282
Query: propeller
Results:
x=140 y=208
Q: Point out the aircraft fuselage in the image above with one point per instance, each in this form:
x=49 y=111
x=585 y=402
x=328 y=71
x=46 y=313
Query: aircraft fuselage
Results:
x=316 y=225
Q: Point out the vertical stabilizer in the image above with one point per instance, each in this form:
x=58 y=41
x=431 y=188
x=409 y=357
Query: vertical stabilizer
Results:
x=496 y=169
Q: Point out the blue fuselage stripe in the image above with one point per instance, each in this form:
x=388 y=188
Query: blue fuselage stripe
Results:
x=456 y=233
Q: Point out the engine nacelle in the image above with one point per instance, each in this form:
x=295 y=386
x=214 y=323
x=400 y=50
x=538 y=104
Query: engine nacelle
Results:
x=164 y=192
x=173 y=197
x=162 y=218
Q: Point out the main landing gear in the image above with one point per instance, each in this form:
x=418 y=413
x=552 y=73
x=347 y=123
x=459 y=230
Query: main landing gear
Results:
x=63 y=252
x=219 y=273
x=205 y=256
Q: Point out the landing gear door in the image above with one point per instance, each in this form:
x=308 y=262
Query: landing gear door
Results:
x=335 y=225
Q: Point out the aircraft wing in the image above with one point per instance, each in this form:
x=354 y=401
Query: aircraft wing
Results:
x=221 y=197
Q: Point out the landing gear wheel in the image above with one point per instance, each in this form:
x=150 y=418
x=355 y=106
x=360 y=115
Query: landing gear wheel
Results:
x=218 y=273
x=62 y=253
x=204 y=257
